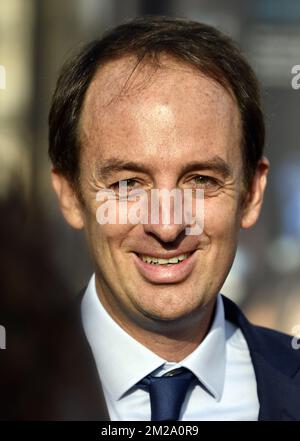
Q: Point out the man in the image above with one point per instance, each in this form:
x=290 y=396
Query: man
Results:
x=165 y=103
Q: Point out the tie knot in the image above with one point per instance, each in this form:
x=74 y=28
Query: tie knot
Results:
x=167 y=393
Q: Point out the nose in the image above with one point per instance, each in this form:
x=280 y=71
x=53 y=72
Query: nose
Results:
x=165 y=219
x=166 y=233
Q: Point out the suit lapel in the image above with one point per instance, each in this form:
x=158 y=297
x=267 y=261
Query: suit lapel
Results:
x=276 y=368
x=279 y=397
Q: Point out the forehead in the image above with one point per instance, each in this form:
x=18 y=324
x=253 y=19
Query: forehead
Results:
x=165 y=114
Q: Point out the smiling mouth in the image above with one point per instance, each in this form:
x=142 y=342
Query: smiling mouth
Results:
x=152 y=260
x=160 y=269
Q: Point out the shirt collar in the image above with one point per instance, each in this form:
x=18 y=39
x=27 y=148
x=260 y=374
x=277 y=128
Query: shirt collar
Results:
x=122 y=361
x=208 y=360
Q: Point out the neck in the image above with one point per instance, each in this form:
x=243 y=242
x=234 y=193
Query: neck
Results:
x=171 y=340
x=174 y=342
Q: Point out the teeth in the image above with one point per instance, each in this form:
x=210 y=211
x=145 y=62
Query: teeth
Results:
x=154 y=260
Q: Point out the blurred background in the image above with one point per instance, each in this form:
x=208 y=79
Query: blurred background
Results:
x=43 y=261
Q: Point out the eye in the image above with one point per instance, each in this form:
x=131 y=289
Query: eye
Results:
x=130 y=183
x=206 y=182
x=202 y=180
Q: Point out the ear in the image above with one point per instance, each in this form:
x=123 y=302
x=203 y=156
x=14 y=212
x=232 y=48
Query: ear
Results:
x=254 y=198
x=68 y=200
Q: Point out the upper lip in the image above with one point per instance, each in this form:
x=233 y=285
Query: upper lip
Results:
x=164 y=255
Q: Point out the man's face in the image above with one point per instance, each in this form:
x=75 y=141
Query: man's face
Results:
x=170 y=128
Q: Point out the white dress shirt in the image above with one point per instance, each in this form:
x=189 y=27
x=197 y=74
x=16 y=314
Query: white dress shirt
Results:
x=227 y=385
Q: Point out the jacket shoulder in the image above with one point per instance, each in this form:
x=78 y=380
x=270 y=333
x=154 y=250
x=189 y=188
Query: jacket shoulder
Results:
x=283 y=349
x=279 y=349
x=272 y=336
x=272 y=333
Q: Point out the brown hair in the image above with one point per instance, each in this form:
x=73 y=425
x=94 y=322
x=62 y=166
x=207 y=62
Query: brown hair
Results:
x=196 y=44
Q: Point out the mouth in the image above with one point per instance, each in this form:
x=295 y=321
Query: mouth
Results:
x=157 y=261
x=165 y=270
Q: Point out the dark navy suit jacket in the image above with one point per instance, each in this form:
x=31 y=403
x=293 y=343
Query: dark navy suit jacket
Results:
x=63 y=382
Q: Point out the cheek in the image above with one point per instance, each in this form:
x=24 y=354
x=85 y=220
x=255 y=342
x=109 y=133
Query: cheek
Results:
x=221 y=219
x=107 y=243
x=107 y=239
x=221 y=232
x=101 y=224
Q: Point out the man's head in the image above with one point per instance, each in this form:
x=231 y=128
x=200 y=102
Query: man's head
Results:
x=161 y=103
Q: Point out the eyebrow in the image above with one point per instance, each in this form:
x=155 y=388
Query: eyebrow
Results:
x=215 y=164
x=114 y=165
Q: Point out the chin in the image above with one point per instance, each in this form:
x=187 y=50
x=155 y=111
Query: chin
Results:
x=165 y=310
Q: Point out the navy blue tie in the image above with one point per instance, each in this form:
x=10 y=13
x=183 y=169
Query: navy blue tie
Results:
x=167 y=393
